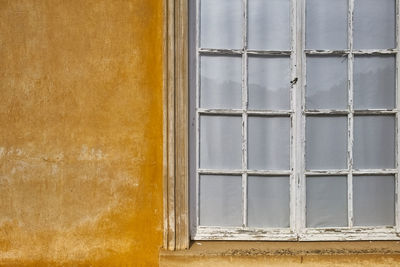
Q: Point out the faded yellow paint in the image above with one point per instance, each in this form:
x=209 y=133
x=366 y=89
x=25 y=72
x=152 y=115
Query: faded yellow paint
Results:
x=81 y=132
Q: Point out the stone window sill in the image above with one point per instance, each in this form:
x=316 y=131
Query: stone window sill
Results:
x=221 y=253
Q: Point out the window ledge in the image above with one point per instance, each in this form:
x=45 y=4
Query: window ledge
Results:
x=378 y=253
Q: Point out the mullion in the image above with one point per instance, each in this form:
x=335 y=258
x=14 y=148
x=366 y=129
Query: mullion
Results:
x=244 y=114
x=350 y=116
x=397 y=138
x=197 y=113
x=293 y=117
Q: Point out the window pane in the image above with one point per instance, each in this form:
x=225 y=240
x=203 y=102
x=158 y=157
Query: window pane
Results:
x=326 y=82
x=269 y=82
x=221 y=23
x=268 y=201
x=326 y=201
x=220 y=142
x=221 y=82
x=269 y=143
x=326 y=24
x=374 y=142
x=374 y=24
x=326 y=143
x=220 y=200
x=374 y=82
x=269 y=24
x=373 y=200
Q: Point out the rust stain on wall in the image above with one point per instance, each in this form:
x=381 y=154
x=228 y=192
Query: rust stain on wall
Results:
x=81 y=132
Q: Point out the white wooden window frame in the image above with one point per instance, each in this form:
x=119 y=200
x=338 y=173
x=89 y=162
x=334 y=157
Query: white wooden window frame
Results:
x=297 y=114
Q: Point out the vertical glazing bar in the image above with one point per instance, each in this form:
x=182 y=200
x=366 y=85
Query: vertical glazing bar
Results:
x=244 y=114
x=350 y=116
x=293 y=128
x=300 y=117
x=397 y=147
x=197 y=113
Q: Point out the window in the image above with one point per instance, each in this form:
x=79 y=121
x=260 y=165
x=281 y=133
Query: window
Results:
x=294 y=119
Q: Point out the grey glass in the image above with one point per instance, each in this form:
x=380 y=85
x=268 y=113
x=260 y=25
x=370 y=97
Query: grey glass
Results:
x=326 y=24
x=221 y=142
x=269 y=143
x=326 y=142
x=268 y=201
x=269 y=83
x=326 y=82
x=221 y=23
x=374 y=142
x=269 y=24
x=374 y=82
x=373 y=200
x=221 y=82
x=220 y=200
x=326 y=204
x=374 y=24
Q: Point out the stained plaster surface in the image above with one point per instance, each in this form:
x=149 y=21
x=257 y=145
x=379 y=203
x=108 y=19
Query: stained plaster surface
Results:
x=252 y=254
x=81 y=132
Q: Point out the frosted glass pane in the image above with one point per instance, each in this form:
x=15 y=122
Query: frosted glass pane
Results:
x=326 y=201
x=221 y=23
x=269 y=24
x=374 y=142
x=220 y=200
x=326 y=82
x=374 y=82
x=269 y=82
x=269 y=143
x=268 y=201
x=373 y=200
x=326 y=143
x=326 y=24
x=220 y=142
x=221 y=82
x=374 y=24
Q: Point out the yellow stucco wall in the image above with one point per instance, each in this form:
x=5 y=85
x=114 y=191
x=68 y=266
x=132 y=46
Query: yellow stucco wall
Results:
x=80 y=132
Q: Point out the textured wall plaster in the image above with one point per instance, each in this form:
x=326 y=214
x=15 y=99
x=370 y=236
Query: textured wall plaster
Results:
x=81 y=131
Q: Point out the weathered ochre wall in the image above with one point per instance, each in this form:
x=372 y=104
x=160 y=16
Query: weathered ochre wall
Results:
x=81 y=132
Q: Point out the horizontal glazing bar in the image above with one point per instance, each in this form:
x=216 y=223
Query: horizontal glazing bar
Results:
x=357 y=52
x=375 y=52
x=249 y=172
x=220 y=111
x=220 y=51
x=356 y=112
x=355 y=172
x=269 y=53
x=326 y=52
x=213 y=51
x=326 y=112
x=375 y=112
x=243 y=233
x=249 y=112
x=374 y=171
x=325 y=172
x=270 y=112
x=308 y=234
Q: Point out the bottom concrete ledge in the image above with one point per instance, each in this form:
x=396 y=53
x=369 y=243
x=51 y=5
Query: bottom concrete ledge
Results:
x=210 y=254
